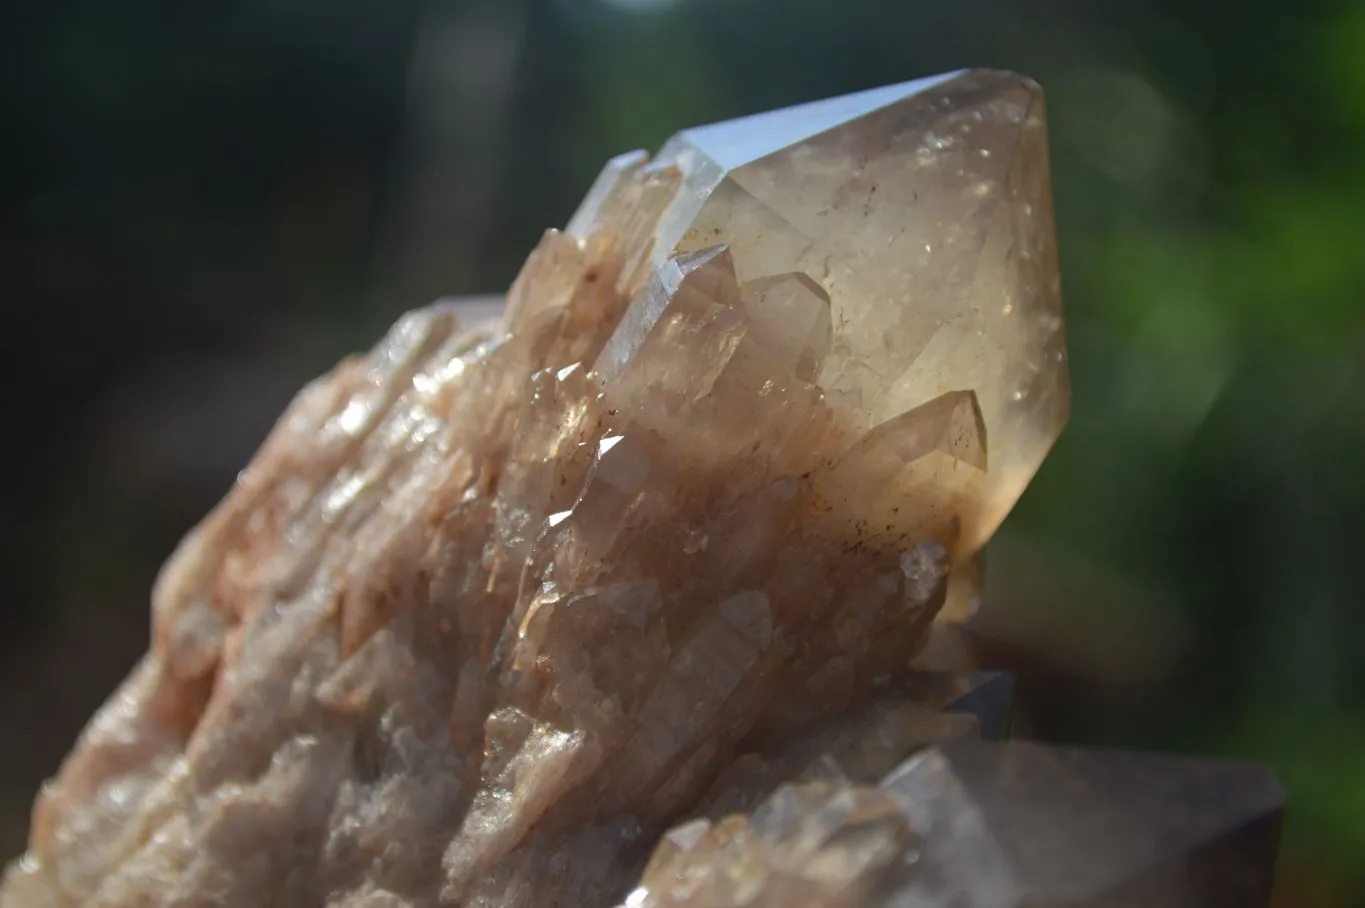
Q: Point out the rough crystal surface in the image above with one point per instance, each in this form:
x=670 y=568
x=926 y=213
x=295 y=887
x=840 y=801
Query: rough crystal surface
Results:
x=973 y=824
x=494 y=606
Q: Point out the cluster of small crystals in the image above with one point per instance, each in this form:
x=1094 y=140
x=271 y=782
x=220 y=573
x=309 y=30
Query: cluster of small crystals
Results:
x=491 y=608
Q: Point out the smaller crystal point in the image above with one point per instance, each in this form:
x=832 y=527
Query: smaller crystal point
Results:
x=789 y=316
x=950 y=424
x=916 y=476
x=694 y=281
x=602 y=203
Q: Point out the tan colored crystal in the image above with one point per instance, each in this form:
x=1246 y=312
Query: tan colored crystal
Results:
x=789 y=315
x=493 y=607
x=925 y=212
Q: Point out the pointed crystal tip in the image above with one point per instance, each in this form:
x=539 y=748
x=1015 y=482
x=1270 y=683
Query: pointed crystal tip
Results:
x=923 y=213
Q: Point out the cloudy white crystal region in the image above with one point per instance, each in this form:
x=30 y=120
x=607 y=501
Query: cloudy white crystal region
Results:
x=924 y=211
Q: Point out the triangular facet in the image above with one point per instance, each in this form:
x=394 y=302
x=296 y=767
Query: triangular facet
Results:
x=734 y=143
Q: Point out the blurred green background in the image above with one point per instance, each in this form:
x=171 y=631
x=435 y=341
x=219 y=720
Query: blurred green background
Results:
x=207 y=204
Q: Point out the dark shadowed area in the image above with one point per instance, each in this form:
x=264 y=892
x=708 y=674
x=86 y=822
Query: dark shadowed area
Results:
x=205 y=205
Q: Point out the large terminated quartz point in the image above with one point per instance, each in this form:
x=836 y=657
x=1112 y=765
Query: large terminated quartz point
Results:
x=492 y=607
x=924 y=213
x=973 y=824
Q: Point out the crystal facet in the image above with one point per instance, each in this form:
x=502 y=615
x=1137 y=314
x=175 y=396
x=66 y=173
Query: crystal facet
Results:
x=975 y=824
x=494 y=607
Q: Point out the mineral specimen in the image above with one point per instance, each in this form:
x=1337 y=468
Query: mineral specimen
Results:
x=492 y=607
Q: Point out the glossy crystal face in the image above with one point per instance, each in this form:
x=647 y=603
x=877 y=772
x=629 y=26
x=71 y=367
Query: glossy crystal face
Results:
x=924 y=213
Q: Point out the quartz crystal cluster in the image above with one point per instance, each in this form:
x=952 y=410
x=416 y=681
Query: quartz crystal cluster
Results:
x=497 y=605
